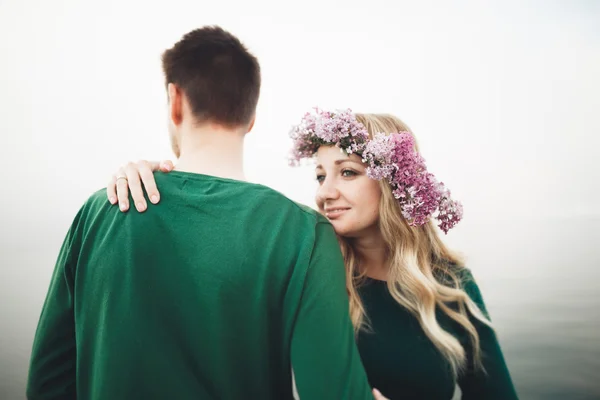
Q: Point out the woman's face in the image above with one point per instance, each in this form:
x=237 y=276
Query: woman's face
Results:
x=346 y=195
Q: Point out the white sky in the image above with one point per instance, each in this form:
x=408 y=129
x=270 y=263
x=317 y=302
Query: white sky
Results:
x=502 y=96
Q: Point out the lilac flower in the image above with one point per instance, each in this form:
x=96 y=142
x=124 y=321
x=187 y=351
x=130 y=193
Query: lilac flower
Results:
x=340 y=129
x=450 y=212
x=392 y=158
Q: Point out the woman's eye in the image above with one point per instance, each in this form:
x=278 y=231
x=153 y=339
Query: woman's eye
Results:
x=347 y=173
x=320 y=178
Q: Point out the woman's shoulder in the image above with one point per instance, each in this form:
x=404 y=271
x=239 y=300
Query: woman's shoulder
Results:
x=460 y=277
x=453 y=274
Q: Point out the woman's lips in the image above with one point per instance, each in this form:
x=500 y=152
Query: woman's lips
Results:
x=335 y=212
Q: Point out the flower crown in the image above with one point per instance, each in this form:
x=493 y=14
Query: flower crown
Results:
x=391 y=157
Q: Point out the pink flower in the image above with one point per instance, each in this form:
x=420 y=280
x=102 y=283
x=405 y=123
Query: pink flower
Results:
x=388 y=157
x=339 y=129
x=393 y=157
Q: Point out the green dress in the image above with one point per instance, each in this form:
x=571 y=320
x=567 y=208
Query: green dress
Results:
x=217 y=292
x=404 y=364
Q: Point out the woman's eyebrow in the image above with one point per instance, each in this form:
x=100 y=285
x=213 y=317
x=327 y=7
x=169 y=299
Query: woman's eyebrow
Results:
x=341 y=161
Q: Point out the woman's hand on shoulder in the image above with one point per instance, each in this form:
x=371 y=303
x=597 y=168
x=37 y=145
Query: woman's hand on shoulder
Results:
x=135 y=177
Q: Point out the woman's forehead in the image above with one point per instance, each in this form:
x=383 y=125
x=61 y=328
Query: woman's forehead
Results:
x=331 y=156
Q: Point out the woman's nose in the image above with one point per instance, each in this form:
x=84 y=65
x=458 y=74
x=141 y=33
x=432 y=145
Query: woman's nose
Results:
x=327 y=191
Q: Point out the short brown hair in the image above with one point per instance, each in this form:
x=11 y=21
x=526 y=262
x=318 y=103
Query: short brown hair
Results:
x=218 y=75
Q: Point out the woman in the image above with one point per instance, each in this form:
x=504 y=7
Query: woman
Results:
x=420 y=320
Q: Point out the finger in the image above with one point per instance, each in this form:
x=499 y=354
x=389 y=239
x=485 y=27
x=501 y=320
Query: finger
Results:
x=122 y=190
x=378 y=395
x=135 y=186
x=145 y=169
x=166 y=166
x=111 y=190
x=153 y=165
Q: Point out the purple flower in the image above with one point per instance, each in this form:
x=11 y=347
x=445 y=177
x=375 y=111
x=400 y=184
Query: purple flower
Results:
x=392 y=158
x=450 y=212
x=320 y=128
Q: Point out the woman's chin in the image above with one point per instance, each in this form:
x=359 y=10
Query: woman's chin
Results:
x=343 y=229
x=355 y=230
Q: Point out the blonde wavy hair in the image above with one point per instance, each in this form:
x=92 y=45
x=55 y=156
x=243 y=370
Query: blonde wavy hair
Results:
x=420 y=277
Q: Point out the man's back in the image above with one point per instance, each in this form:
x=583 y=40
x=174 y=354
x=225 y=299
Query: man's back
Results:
x=214 y=293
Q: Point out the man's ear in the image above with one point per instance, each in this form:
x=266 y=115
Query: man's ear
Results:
x=252 y=123
x=175 y=104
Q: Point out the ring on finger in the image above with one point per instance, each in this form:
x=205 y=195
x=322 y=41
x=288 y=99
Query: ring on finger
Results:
x=121 y=177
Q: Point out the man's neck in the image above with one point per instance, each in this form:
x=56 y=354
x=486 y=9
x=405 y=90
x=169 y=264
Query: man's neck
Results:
x=215 y=152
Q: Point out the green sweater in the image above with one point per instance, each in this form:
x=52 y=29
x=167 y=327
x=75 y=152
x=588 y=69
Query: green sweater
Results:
x=215 y=293
x=404 y=364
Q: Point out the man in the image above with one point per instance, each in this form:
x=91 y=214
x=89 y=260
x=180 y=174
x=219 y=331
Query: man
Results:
x=219 y=290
